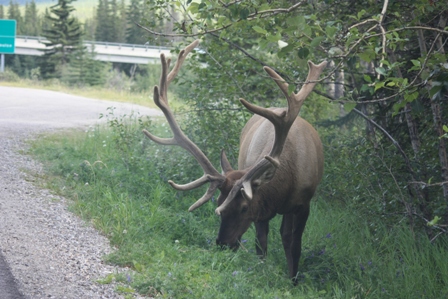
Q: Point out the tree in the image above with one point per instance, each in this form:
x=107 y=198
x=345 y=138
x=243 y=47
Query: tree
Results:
x=101 y=32
x=135 y=14
x=84 y=69
x=140 y=12
x=47 y=24
x=2 y=12
x=15 y=14
x=121 y=25
x=32 y=23
x=111 y=21
x=390 y=60
x=63 y=38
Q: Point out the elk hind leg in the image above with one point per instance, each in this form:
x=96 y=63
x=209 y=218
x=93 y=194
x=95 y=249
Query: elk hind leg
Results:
x=291 y=231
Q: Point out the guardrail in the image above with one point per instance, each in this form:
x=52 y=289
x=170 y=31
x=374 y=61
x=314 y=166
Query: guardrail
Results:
x=119 y=45
x=104 y=51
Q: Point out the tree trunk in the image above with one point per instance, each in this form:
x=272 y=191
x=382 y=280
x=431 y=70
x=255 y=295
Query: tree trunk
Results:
x=437 y=117
x=438 y=125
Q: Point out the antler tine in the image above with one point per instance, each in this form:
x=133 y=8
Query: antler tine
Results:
x=179 y=138
x=283 y=121
x=180 y=60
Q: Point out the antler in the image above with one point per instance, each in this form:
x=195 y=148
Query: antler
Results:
x=179 y=138
x=265 y=169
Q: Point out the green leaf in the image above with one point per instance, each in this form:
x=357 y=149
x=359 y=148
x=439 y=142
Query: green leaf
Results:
x=316 y=41
x=397 y=106
x=330 y=31
x=368 y=55
x=385 y=62
x=390 y=83
x=381 y=71
x=379 y=85
x=366 y=88
x=361 y=13
x=445 y=128
x=349 y=106
x=303 y=53
x=434 y=221
x=259 y=30
x=307 y=30
x=367 y=78
x=416 y=62
x=410 y=97
x=434 y=92
x=193 y=7
x=244 y=13
x=273 y=38
x=298 y=21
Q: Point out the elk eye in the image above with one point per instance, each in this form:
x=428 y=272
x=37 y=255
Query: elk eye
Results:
x=244 y=209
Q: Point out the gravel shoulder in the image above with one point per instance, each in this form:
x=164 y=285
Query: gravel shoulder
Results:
x=51 y=252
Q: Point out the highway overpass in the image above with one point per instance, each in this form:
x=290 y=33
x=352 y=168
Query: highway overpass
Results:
x=104 y=51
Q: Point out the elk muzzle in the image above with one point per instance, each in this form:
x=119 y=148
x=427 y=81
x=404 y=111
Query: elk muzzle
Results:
x=224 y=245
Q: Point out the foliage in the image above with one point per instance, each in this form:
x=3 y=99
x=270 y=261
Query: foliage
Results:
x=147 y=77
x=117 y=180
x=388 y=64
x=63 y=37
x=84 y=69
x=9 y=76
x=113 y=21
x=15 y=14
x=136 y=13
x=32 y=22
x=110 y=18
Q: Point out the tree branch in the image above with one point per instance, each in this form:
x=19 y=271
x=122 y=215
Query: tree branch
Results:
x=380 y=24
x=250 y=17
x=394 y=142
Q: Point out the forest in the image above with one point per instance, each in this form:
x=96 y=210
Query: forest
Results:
x=108 y=21
x=381 y=105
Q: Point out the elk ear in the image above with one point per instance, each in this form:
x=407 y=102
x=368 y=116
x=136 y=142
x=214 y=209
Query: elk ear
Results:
x=260 y=178
x=225 y=164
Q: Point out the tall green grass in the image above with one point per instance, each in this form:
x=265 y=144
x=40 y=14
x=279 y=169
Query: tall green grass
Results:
x=117 y=181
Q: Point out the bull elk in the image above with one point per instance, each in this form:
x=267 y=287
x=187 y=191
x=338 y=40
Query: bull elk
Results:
x=280 y=164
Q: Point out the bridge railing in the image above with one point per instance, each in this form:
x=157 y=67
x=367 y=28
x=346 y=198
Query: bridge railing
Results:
x=105 y=44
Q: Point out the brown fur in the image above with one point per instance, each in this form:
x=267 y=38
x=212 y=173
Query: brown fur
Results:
x=280 y=165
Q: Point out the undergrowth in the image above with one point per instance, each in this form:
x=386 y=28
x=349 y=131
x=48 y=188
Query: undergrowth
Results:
x=117 y=181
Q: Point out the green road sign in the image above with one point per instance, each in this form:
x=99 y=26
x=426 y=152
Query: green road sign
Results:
x=7 y=36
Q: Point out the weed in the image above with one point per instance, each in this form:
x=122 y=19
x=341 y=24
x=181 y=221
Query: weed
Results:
x=117 y=181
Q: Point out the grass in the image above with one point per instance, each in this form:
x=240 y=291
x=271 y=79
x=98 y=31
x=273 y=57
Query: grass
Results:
x=117 y=181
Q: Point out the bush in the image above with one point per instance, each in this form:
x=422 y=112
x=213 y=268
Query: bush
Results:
x=9 y=76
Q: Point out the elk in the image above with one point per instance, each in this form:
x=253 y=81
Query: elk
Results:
x=280 y=164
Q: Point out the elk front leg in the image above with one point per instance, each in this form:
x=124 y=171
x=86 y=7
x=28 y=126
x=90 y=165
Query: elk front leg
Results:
x=262 y=229
x=291 y=231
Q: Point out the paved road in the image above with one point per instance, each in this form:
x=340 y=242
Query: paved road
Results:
x=41 y=109
x=30 y=110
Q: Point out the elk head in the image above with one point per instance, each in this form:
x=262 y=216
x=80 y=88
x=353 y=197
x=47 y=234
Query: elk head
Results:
x=246 y=194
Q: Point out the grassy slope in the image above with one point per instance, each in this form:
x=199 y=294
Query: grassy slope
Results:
x=117 y=181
